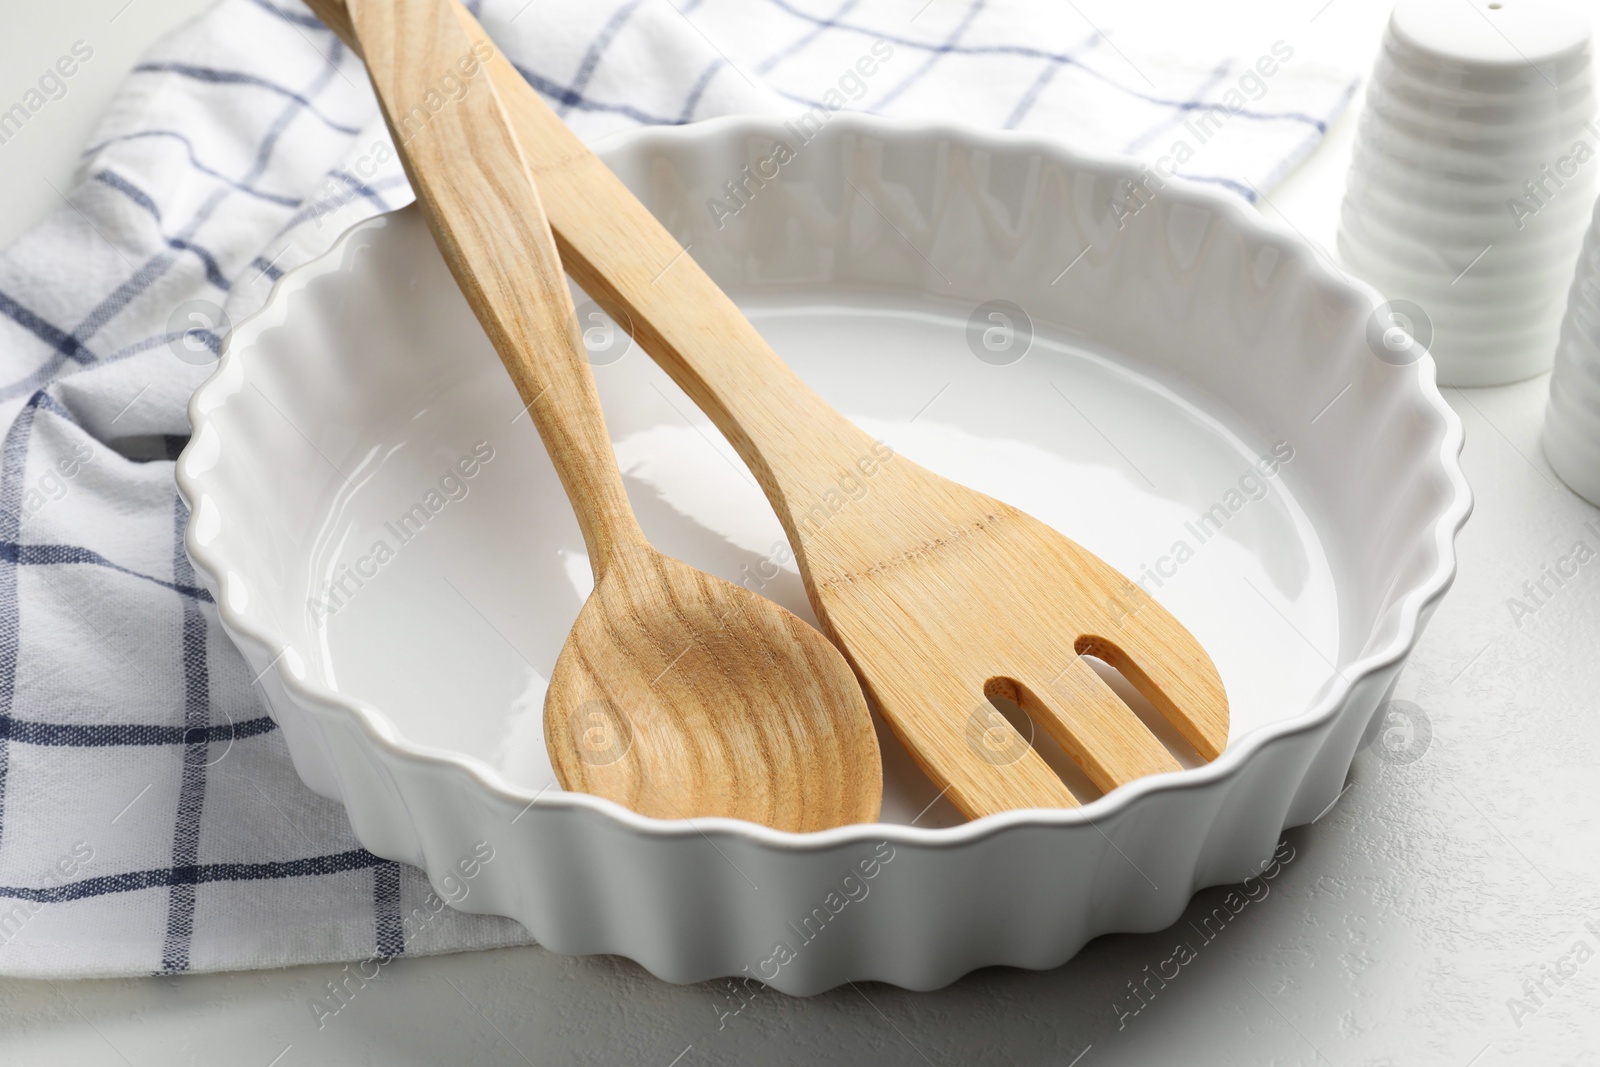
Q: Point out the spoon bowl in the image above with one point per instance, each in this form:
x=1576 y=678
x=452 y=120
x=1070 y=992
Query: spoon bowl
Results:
x=680 y=694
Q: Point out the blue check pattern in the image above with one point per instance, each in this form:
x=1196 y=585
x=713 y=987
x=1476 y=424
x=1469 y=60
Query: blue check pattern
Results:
x=150 y=820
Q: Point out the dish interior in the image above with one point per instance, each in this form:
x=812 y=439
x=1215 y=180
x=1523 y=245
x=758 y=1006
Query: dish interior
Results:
x=443 y=599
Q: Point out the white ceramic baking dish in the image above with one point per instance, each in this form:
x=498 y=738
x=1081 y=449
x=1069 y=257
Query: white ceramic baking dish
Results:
x=1186 y=389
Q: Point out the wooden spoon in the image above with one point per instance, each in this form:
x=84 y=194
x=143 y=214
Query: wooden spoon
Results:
x=677 y=694
x=940 y=596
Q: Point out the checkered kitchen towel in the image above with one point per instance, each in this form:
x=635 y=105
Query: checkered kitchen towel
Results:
x=150 y=820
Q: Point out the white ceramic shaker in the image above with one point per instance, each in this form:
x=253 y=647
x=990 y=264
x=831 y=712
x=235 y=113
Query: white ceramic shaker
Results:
x=1475 y=167
x=1572 y=422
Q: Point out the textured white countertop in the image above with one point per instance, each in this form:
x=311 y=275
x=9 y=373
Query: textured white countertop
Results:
x=1402 y=931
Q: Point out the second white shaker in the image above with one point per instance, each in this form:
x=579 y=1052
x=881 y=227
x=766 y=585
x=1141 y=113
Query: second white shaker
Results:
x=1572 y=421
x=1474 y=171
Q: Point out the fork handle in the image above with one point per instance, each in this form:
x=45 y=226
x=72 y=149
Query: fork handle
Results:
x=792 y=440
x=475 y=189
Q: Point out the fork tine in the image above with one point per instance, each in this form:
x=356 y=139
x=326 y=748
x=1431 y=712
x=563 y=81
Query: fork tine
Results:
x=982 y=764
x=1167 y=664
x=1093 y=725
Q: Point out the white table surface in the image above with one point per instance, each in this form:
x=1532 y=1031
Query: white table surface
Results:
x=1410 y=916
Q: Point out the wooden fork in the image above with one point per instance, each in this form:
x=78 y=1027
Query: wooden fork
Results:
x=941 y=597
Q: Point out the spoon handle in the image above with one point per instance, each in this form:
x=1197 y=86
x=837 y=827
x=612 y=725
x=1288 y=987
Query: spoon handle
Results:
x=795 y=443
x=474 y=185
